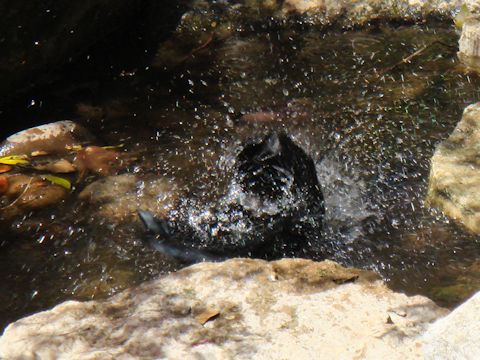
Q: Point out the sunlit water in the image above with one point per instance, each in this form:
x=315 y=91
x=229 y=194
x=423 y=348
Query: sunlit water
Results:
x=371 y=130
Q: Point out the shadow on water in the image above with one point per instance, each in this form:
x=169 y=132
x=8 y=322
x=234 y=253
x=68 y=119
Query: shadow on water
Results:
x=371 y=136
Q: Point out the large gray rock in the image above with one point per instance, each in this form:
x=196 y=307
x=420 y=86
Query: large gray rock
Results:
x=238 y=309
x=456 y=336
x=455 y=172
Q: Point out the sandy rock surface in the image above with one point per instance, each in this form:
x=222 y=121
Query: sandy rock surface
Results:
x=456 y=336
x=455 y=172
x=238 y=309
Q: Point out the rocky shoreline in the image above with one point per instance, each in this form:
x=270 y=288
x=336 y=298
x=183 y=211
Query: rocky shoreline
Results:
x=291 y=308
x=238 y=309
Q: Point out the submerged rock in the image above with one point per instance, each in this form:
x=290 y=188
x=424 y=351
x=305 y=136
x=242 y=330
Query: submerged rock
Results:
x=56 y=137
x=456 y=336
x=465 y=281
x=116 y=199
x=455 y=172
x=26 y=193
x=239 y=309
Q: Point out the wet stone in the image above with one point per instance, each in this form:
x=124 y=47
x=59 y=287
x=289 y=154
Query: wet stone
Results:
x=461 y=286
x=56 y=137
x=117 y=198
x=455 y=172
x=27 y=193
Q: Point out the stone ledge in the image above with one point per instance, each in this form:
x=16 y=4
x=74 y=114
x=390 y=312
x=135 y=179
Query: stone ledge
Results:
x=239 y=309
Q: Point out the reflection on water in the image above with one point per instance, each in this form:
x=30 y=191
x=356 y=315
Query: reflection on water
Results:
x=371 y=133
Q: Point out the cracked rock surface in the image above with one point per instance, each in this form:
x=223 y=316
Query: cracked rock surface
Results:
x=237 y=309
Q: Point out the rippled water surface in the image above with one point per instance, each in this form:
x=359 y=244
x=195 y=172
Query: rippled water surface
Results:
x=370 y=125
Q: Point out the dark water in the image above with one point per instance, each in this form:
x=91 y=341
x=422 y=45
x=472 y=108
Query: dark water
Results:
x=371 y=129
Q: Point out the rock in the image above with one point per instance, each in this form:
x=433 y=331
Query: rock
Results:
x=302 y=6
x=116 y=199
x=455 y=172
x=469 y=44
x=208 y=22
x=27 y=193
x=457 y=335
x=473 y=6
x=292 y=308
x=61 y=166
x=111 y=281
x=49 y=138
x=465 y=281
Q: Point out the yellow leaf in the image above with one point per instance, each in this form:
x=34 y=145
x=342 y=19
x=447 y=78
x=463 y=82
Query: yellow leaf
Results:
x=58 y=181
x=14 y=159
x=39 y=153
x=74 y=147
x=112 y=147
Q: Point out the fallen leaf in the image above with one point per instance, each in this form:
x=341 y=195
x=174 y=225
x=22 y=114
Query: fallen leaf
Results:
x=5 y=168
x=207 y=315
x=3 y=184
x=61 y=166
x=14 y=159
x=39 y=153
x=74 y=147
x=113 y=147
x=17 y=184
x=58 y=181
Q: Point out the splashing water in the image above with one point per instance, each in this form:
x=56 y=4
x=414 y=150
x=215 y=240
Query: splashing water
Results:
x=370 y=133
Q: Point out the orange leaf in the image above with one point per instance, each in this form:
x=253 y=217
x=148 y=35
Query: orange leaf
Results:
x=5 y=168
x=3 y=184
x=207 y=315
